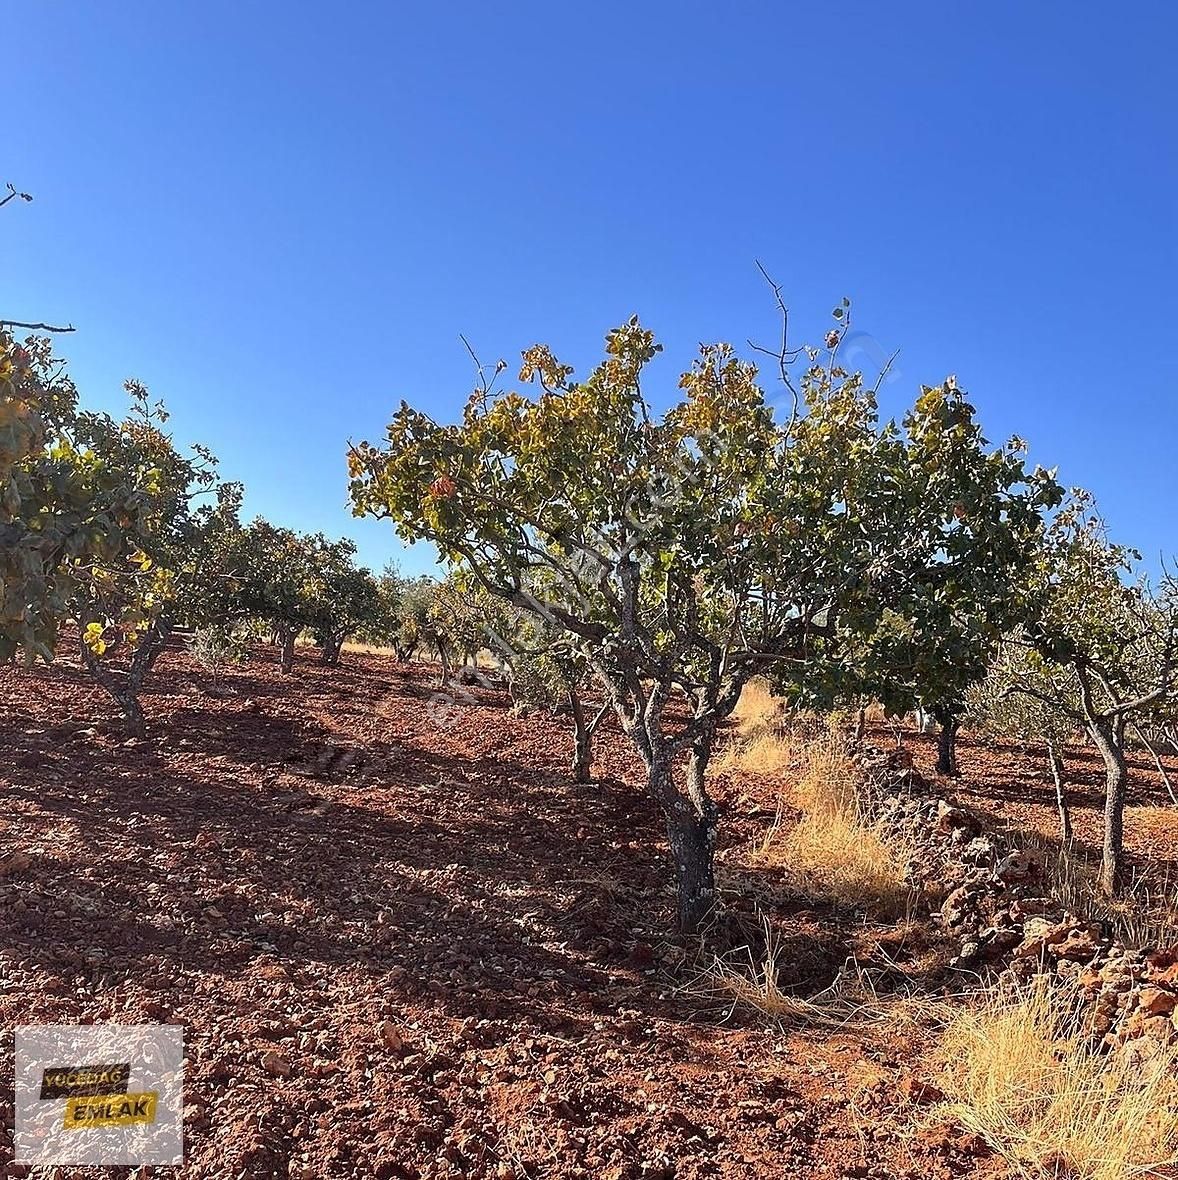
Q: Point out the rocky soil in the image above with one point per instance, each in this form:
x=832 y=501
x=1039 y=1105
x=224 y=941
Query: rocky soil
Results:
x=404 y=944
x=998 y=902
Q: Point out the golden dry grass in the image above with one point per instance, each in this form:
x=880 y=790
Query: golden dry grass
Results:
x=1019 y=1071
x=1145 y=915
x=758 y=709
x=833 y=851
x=765 y=753
x=369 y=649
x=767 y=739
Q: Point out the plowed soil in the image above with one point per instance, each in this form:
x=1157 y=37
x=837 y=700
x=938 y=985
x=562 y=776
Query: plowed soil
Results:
x=404 y=944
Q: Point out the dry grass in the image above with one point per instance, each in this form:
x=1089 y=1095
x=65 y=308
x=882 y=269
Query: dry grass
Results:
x=758 y=709
x=1146 y=915
x=1020 y=1072
x=833 y=850
x=768 y=739
x=752 y=981
x=369 y=649
x=766 y=753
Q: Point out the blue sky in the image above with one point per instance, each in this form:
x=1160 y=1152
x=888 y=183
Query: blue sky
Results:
x=281 y=216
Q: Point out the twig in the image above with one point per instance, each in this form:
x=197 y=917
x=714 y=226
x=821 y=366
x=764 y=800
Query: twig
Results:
x=34 y=327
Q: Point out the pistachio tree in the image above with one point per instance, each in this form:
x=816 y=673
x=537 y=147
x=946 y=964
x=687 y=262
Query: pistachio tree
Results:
x=682 y=553
x=417 y=623
x=1114 y=643
x=962 y=520
x=70 y=519
x=348 y=596
x=999 y=706
x=547 y=669
x=401 y=619
x=179 y=567
x=281 y=583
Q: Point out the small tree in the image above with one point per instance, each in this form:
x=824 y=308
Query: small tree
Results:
x=1115 y=642
x=547 y=670
x=217 y=645
x=416 y=622
x=965 y=522
x=382 y=627
x=347 y=596
x=126 y=611
x=280 y=583
x=466 y=619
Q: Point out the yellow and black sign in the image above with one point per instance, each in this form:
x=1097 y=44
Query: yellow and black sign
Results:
x=84 y=1081
x=114 y=1110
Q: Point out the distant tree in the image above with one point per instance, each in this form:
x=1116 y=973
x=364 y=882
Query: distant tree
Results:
x=466 y=619
x=1001 y=706
x=681 y=555
x=382 y=627
x=416 y=621
x=347 y=596
x=1114 y=640
x=547 y=670
x=280 y=583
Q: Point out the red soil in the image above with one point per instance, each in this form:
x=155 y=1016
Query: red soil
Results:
x=403 y=943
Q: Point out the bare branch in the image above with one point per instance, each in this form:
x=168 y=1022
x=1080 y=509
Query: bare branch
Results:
x=35 y=327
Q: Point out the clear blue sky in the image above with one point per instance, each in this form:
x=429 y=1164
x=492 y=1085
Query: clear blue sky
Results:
x=280 y=216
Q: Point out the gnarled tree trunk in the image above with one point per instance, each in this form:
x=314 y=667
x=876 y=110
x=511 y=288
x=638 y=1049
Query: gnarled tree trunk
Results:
x=947 y=742
x=125 y=684
x=583 y=731
x=691 y=818
x=332 y=646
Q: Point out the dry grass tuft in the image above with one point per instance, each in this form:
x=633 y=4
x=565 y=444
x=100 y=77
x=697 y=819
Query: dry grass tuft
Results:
x=1020 y=1071
x=764 y=743
x=765 y=753
x=833 y=850
x=758 y=710
x=1146 y=915
x=753 y=982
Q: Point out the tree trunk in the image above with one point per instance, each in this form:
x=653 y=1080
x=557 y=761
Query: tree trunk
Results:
x=445 y=658
x=691 y=833
x=122 y=687
x=583 y=731
x=1108 y=740
x=288 y=647
x=157 y=641
x=332 y=646
x=582 y=739
x=947 y=744
x=860 y=724
x=133 y=719
x=1055 y=761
